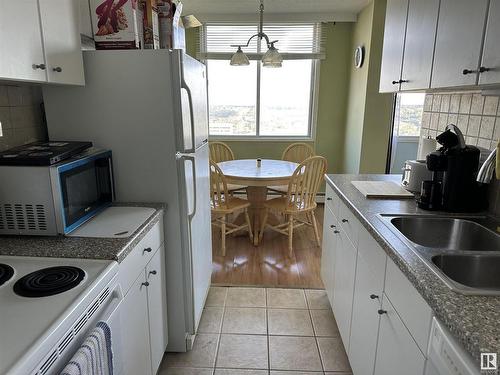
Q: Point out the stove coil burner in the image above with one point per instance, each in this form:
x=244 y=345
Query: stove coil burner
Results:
x=6 y=272
x=49 y=281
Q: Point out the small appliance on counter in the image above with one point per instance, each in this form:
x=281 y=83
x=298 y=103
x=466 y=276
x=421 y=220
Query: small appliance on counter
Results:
x=454 y=167
x=42 y=153
x=49 y=200
x=414 y=173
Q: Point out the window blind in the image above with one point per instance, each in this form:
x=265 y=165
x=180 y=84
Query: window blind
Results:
x=295 y=41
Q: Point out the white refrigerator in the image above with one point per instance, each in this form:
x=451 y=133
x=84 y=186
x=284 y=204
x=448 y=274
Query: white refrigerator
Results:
x=150 y=109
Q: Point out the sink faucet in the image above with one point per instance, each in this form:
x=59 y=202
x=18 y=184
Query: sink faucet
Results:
x=485 y=174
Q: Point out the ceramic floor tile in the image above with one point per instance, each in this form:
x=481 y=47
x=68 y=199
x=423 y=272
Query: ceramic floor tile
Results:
x=317 y=299
x=296 y=373
x=294 y=353
x=232 y=371
x=211 y=320
x=185 y=371
x=324 y=323
x=243 y=352
x=246 y=297
x=286 y=298
x=333 y=354
x=245 y=320
x=202 y=354
x=338 y=373
x=216 y=297
x=290 y=322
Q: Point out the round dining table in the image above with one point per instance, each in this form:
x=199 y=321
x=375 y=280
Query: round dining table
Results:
x=257 y=177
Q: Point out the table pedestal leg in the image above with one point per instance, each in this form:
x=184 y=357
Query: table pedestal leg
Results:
x=257 y=196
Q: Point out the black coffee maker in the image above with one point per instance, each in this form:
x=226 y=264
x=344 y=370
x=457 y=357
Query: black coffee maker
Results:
x=454 y=170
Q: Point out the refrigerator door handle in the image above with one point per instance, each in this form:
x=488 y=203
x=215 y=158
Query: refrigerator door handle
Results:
x=191 y=158
x=191 y=115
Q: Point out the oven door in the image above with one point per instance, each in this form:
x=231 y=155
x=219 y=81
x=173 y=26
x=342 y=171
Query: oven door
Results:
x=85 y=188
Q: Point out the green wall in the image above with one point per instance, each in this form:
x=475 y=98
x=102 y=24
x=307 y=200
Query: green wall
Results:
x=368 y=112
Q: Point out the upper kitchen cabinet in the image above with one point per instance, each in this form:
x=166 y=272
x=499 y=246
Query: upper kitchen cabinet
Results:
x=40 y=41
x=490 y=64
x=419 y=44
x=459 y=42
x=61 y=40
x=394 y=41
x=21 y=56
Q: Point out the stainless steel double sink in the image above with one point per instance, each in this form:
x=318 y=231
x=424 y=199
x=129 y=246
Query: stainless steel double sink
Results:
x=463 y=251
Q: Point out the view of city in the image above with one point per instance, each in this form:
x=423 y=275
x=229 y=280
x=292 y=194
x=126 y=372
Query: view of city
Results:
x=409 y=116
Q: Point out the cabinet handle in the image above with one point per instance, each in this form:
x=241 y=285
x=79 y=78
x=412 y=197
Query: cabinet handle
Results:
x=147 y=250
x=39 y=66
x=396 y=82
x=382 y=312
x=333 y=226
x=328 y=198
x=468 y=71
x=336 y=231
x=403 y=81
x=483 y=69
x=345 y=220
x=153 y=272
x=57 y=69
x=373 y=296
x=145 y=283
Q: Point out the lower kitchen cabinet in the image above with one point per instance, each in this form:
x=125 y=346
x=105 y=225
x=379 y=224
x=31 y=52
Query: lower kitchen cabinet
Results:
x=157 y=307
x=328 y=255
x=136 y=357
x=343 y=290
x=397 y=352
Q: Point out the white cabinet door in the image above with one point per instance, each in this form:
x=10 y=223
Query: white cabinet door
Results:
x=328 y=252
x=135 y=327
x=365 y=319
x=458 y=42
x=157 y=306
x=21 y=51
x=419 y=44
x=61 y=37
x=345 y=269
x=397 y=352
x=394 y=41
x=85 y=20
x=491 y=52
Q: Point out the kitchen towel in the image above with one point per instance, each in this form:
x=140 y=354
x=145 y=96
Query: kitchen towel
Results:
x=94 y=356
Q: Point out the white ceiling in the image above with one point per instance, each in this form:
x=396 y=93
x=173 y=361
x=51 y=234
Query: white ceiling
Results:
x=222 y=8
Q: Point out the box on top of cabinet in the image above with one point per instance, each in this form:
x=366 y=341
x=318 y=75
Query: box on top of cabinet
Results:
x=150 y=24
x=115 y=24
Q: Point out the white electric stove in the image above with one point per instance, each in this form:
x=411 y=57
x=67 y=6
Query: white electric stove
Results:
x=45 y=315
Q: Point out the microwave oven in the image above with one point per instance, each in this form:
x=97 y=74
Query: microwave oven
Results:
x=57 y=199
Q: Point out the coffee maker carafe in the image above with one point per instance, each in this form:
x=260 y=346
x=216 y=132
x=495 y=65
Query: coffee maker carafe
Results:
x=454 y=166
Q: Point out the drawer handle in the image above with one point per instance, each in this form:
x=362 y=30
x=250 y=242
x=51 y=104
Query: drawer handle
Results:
x=345 y=220
x=57 y=69
x=382 y=312
x=336 y=231
x=153 y=272
x=39 y=66
x=328 y=198
x=373 y=296
x=147 y=250
x=145 y=283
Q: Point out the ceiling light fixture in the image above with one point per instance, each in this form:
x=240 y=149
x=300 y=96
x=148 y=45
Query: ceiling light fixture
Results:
x=271 y=59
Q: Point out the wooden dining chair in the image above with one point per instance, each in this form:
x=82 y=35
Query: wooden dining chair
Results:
x=297 y=153
x=300 y=199
x=219 y=152
x=223 y=204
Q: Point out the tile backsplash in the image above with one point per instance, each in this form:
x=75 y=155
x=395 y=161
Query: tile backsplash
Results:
x=21 y=118
x=477 y=116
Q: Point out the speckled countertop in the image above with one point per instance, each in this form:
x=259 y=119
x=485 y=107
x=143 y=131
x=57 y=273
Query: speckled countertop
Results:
x=81 y=247
x=474 y=320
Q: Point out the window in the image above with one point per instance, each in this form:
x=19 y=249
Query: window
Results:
x=408 y=114
x=252 y=101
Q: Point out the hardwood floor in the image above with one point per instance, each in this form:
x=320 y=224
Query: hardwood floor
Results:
x=269 y=264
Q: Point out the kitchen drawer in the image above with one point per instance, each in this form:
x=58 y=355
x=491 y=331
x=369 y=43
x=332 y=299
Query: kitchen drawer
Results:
x=349 y=223
x=332 y=200
x=374 y=256
x=411 y=307
x=135 y=262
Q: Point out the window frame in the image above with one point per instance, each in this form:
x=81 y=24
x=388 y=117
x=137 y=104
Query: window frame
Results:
x=313 y=106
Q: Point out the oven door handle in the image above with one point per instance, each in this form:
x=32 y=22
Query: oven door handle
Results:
x=112 y=305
